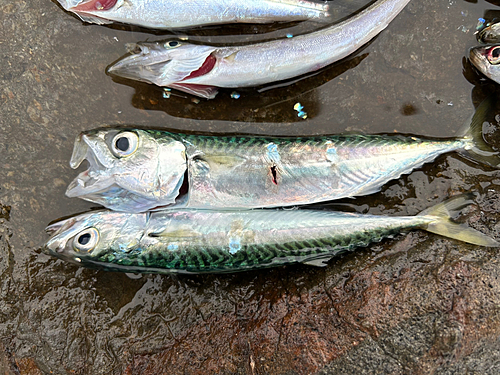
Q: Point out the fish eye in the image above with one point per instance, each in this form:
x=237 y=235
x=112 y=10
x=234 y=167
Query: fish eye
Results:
x=124 y=144
x=172 y=44
x=86 y=240
x=494 y=55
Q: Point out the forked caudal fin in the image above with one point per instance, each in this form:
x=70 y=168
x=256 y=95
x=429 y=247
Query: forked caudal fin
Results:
x=443 y=225
x=480 y=150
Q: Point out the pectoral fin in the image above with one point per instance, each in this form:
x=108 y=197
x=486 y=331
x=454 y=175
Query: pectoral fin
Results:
x=203 y=91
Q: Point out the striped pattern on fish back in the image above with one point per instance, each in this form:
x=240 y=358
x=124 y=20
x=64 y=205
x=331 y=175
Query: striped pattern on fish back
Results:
x=229 y=144
x=267 y=248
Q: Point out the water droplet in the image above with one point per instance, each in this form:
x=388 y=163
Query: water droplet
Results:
x=289 y=35
x=235 y=95
x=480 y=23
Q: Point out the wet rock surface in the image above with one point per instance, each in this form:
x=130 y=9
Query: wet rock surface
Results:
x=416 y=304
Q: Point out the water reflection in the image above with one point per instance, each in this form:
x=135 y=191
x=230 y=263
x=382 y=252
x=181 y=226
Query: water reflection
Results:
x=270 y=103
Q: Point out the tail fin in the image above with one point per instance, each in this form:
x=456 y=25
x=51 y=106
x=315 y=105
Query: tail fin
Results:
x=479 y=149
x=445 y=227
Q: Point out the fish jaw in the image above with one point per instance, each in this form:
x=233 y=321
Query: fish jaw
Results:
x=151 y=176
x=95 y=179
x=479 y=58
x=165 y=66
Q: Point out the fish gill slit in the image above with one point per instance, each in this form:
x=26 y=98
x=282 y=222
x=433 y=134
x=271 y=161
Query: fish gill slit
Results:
x=205 y=68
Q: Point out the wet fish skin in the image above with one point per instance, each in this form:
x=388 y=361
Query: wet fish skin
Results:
x=245 y=172
x=159 y=169
x=490 y=34
x=487 y=60
x=170 y=14
x=204 y=241
x=201 y=69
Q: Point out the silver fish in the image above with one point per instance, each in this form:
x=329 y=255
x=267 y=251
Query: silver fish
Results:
x=137 y=170
x=201 y=69
x=169 y=14
x=487 y=60
x=191 y=241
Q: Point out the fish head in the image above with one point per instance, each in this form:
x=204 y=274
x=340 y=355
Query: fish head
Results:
x=172 y=63
x=128 y=170
x=487 y=60
x=490 y=34
x=92 y=236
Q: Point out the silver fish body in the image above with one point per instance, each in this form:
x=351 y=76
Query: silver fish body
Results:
x=191 y=241
x=487 y=60
x=135 y=170
x=169 y=14
x=202 y=69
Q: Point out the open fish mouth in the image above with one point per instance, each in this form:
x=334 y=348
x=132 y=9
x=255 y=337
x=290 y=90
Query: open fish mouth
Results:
x=93 y=179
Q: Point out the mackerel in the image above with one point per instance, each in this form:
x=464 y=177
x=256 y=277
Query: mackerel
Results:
x=136 y=170
x=191 y=241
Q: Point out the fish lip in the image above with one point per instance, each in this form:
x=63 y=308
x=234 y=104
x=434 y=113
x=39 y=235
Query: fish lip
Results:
x=84 y=150
x=80 y=150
